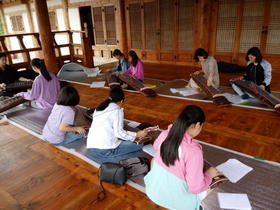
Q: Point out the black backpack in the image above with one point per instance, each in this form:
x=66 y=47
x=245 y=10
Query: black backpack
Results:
x=118 y=173
x=136 y=166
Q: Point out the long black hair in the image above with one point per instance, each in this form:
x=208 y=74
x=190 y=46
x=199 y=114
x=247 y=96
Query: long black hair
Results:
x=255 y=51
x=200 y=52
x=37 y=62
x=116 y=95
x=169 y=148
x=134 y=57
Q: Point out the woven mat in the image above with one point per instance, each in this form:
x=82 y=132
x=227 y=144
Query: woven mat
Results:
x=162 y=87
x=261 y=184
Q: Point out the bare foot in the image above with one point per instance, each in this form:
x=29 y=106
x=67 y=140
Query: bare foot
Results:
x=124 y=86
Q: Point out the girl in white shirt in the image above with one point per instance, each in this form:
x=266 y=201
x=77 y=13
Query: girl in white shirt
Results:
x=106 y=137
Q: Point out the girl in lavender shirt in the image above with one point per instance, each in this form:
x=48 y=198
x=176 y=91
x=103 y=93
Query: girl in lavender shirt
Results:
x=59 y=129
x=136 y=68
x=44 y=89
x=177 y=180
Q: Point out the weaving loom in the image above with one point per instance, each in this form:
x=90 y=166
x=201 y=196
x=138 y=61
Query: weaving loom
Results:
x=214 y=94
x=137 y=85
x=262 y=95
x=11 y=102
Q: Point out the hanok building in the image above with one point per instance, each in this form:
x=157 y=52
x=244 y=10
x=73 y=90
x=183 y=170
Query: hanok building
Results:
x=165 y=34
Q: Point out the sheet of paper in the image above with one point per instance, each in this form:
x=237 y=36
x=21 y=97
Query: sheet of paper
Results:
x=234 y=201
x=91 y=71
x=173 y=90
x=236 y=99
x=234 y=170
x=133 y=124
x=148 y=148
x=93 y=74
x=188 y=92
x=98 y=84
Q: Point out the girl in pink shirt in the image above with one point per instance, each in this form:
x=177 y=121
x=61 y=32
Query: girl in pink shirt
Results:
x=136 y=68
x=177 y=180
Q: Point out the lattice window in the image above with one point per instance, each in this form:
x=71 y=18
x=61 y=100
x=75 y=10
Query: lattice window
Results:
x=110 y=25
x=150 y=18
x=273 y=36
x=186 y=19
x=17 y=23
x=98 y=25
x=135 y=25
x=53 y=20
x=227 y=13
x=166 y=25
x=252 y=21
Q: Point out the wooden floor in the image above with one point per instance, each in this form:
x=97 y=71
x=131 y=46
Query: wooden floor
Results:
x=36 y=175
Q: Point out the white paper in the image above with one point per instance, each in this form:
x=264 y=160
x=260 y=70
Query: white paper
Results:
x=188 y=92
x=234 y=201
x=148 y=148
x=133 y=124
x=91 y=72
x=236 y=99
x=98 y=84
x=173 y=90
x=234 y=170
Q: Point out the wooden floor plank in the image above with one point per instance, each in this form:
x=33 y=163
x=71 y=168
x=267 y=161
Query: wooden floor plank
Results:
x=89 y=173
x=53 y=194
x=8 y=202
x=72 y=194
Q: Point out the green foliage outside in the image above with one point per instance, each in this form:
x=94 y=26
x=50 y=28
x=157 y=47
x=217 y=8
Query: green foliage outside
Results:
x=1 y=27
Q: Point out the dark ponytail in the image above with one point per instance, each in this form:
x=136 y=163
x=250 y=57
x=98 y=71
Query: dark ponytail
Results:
x=37 y=62
x=116 y=95
x=169 y=148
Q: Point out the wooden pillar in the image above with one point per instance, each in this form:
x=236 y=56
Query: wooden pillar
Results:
x=65 y=14
x=46 y=36
x=202 y=21
x=86 y=47
x=31 y=24
x=122 y=24
x=213 y=28
x=5 y=29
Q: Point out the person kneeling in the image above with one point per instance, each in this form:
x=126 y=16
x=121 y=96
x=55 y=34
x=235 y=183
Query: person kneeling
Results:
x=106 y=137
x=59 y=129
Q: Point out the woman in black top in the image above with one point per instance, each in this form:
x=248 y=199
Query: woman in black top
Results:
x=8 y=75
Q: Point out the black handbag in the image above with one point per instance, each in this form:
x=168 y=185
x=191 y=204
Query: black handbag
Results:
x=113 y=173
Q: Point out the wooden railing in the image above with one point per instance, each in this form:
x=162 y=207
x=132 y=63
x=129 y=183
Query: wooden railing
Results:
x=77 y=52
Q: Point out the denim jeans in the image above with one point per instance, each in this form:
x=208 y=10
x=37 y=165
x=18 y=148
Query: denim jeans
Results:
x=69 y=137
x=124 y=148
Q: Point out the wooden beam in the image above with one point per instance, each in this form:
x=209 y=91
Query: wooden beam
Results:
x=44 y=26
x=86 y=47
x=122 y=35
x=204 y=23
x=5 y=29
x=65 y=14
